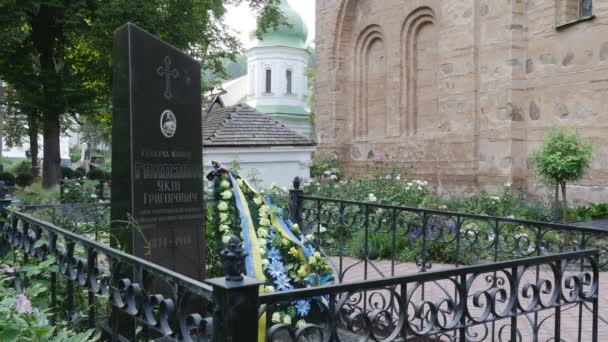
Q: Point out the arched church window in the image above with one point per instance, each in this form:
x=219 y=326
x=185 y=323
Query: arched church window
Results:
x=268 y=81
x=288 y=80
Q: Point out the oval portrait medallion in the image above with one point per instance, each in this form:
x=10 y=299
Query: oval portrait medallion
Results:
x=168 y=123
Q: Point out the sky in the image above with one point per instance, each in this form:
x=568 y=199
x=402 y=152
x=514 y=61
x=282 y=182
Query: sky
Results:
x=241 y=21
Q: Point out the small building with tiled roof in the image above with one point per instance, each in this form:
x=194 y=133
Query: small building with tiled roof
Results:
x=264 y=147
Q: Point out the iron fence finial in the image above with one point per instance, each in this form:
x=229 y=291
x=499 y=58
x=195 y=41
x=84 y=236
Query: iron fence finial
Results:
x=296 y=183
x=233 y=259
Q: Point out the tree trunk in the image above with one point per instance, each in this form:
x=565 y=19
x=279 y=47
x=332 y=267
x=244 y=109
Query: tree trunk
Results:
x=51 y=170
x=564 y=204
x=556 y=204
x=33 y=133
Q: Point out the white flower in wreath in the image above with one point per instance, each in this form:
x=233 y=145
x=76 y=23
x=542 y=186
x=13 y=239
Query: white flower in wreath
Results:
x=264 y=222
x=300 y=324
x=495 y=198
x=322 y=229
x=263 y=233
x=265 y=263
x=310 y=237
x=287 y=320
x=226 y=195
x=371 y=198
x=262 y=250
x=225 y=239
x=262 y=242
x=223 y=217
x=223 y=206
x=225 y=184
x=269 y=288
x=276 y=317
x=257 y=201
x=224 y=228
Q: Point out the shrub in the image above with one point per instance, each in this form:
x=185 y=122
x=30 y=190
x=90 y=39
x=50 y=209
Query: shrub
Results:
x=24 y=179
x=98 y=174
x=80 y=172
x=8 y=178
x=75 y=153
x=23 y=167
x=36 y=194
x=564 y=157
x=78 y=192
x=325 y=165
x=67 y=172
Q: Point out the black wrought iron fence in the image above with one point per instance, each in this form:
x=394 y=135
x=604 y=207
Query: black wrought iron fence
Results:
x=532 y=299
x=89 y=219
x=127 y=297
x=431 y=236
x=549 y=292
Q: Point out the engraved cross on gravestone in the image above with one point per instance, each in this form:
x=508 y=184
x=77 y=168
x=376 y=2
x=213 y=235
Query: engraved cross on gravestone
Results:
x=167 y=73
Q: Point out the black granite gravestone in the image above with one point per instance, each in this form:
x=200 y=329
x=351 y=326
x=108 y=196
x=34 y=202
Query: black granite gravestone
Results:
x=157 y=152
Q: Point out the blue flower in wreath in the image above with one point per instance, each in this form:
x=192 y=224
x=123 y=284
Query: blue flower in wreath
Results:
x=271 y=234
x=282 y=283
x=302 y=307
x=273 y=254
x=276 y=268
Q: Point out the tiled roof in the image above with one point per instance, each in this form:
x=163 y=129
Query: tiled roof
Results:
x=242 y=125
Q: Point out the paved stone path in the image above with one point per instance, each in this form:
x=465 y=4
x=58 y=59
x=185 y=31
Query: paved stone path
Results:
x=596 y=224
x=569 y=317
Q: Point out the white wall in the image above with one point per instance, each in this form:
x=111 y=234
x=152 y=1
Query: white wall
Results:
x=236 y=90
x=279 y=165
x=278 y=59
x=19 y=152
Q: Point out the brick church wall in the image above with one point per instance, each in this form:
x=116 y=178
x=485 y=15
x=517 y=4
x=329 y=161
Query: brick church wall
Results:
x=460 y=92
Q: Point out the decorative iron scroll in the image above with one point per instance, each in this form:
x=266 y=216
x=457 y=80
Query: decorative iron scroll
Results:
x=435 y=236
x=162 y=303
x=521 y=300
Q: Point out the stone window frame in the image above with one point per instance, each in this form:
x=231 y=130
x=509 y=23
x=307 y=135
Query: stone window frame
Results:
x=563 y=20
x=289 y=77
x=267 y=80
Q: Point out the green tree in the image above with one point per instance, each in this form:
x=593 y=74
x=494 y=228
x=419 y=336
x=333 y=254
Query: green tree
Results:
x=564 y=157
x=57 y=54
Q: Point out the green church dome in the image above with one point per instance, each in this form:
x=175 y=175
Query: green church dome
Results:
x=294 y=36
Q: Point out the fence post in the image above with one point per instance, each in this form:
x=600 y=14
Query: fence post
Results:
x=61 y=190
x=100 y=189
x=235 y=317
x=296 y=203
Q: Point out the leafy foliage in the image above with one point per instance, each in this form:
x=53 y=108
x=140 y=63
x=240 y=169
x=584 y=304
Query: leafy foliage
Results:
x=79 y=191
x=25 y=315
x=68 y=173
x=22 y=167
x=563 y=157
x=75 y=153
x=8 y=178
x=98 y=174
x=56 y=54
x=24 y=179
x=36 y=194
